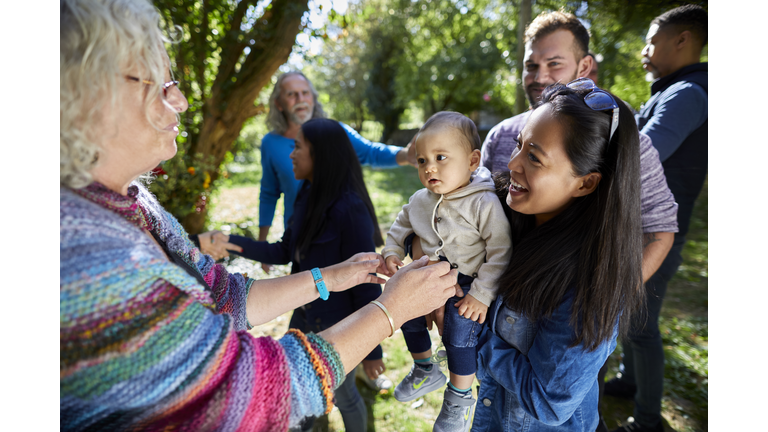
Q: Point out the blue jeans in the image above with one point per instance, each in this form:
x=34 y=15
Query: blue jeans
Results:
x=459 y=334
x=644 y=350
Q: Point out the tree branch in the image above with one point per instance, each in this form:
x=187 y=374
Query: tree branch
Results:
x=201 y=48
x=278 y=38
x=231 y=48
x=254 y=110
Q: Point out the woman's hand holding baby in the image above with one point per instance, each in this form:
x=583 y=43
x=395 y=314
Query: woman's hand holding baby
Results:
x=417 y=289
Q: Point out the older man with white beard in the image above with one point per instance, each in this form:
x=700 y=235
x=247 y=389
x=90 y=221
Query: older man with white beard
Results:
x=294 y=101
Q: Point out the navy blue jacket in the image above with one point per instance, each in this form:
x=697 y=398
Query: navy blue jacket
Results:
x=675 y=117
x=348 y=230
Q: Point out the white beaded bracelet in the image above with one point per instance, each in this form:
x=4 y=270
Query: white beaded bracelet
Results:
x=389 y=317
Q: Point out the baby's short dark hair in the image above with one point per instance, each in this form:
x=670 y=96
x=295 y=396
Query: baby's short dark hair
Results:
x=458 y=122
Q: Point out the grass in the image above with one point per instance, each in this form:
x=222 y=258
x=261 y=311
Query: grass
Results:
x=683 y=322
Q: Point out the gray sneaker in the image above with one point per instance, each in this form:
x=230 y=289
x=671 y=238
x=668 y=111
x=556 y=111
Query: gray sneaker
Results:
x=456 y=413
x=419 y=382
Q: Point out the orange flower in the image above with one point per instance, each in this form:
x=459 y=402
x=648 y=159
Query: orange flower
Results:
x=191 y=170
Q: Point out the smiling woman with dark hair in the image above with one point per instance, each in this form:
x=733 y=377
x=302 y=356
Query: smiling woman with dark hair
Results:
x=153 y=332
x=574 y=278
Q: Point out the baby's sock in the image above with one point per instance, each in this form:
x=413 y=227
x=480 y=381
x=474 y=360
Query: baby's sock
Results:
x=458 y=391
x=425 y=364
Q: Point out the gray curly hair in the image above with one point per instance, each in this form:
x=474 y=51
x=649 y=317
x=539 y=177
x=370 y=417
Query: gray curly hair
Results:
x=276 y=119
x=100 y=40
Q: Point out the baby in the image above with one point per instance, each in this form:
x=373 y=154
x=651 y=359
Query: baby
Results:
x=459 y=219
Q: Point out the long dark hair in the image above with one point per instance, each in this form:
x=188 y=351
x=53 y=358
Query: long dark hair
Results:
x=336 y=169
x=596 y=242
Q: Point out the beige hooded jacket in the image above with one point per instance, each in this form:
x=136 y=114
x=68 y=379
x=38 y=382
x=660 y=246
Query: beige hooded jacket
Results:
x=467 y=226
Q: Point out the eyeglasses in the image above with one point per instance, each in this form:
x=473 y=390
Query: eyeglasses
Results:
x=166 y=86
x=598 y=100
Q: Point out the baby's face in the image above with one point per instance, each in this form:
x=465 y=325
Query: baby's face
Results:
x=444 y=162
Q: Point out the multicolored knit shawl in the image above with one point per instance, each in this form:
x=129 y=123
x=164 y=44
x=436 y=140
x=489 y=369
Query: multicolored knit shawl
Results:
x=145 y=347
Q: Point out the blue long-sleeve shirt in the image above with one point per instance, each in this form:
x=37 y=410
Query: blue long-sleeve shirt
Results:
x=677 y=107
x=277 y=169
x=675 y=117
x=348 y=230
x=531 y=379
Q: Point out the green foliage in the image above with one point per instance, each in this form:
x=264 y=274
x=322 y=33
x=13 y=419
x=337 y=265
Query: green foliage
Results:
x=242 y=164
x=179 y=178
x=390 y=190
x=455 y=55
x=223 y=54
x=696 y=251
x=383 y=58
x=387 y=57
x=195 y=58
x=686 y=353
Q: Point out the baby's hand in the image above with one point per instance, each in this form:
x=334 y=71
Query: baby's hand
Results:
x=472 y=308
x=393 y=263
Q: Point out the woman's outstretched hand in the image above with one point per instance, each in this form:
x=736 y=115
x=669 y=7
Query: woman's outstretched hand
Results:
x=358 y=269
x=216 y=244
x=417 y=289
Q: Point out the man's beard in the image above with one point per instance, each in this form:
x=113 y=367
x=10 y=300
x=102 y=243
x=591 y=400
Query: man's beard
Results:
x=528 y=93
x=652 y=74
x=529 y=96
x=300 y=119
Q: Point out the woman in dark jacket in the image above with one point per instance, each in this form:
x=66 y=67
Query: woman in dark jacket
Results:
x=333 y=219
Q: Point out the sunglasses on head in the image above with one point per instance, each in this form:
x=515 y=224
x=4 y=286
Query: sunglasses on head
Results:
x=598 y=100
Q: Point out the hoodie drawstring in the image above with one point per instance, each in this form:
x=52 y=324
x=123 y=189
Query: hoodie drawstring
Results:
x=434 y=211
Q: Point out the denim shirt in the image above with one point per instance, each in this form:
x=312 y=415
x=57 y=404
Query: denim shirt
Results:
x=530 y=380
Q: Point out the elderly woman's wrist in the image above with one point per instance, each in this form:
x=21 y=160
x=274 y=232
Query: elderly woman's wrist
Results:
x=395 y=312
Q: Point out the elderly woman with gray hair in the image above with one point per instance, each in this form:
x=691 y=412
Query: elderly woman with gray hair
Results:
x=153 y=332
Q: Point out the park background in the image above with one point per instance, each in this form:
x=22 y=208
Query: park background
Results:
x=383 y=67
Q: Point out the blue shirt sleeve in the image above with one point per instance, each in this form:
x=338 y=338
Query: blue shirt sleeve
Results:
x=377 y=155
x=552 y=381
x=270 y=185
x=681 y=110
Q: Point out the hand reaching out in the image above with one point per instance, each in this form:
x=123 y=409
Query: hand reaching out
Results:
x=359 y=268
x=216 y=244
x=266 y=267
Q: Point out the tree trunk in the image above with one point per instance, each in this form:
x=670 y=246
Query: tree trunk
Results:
x=233 y=94
x=521 y=103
